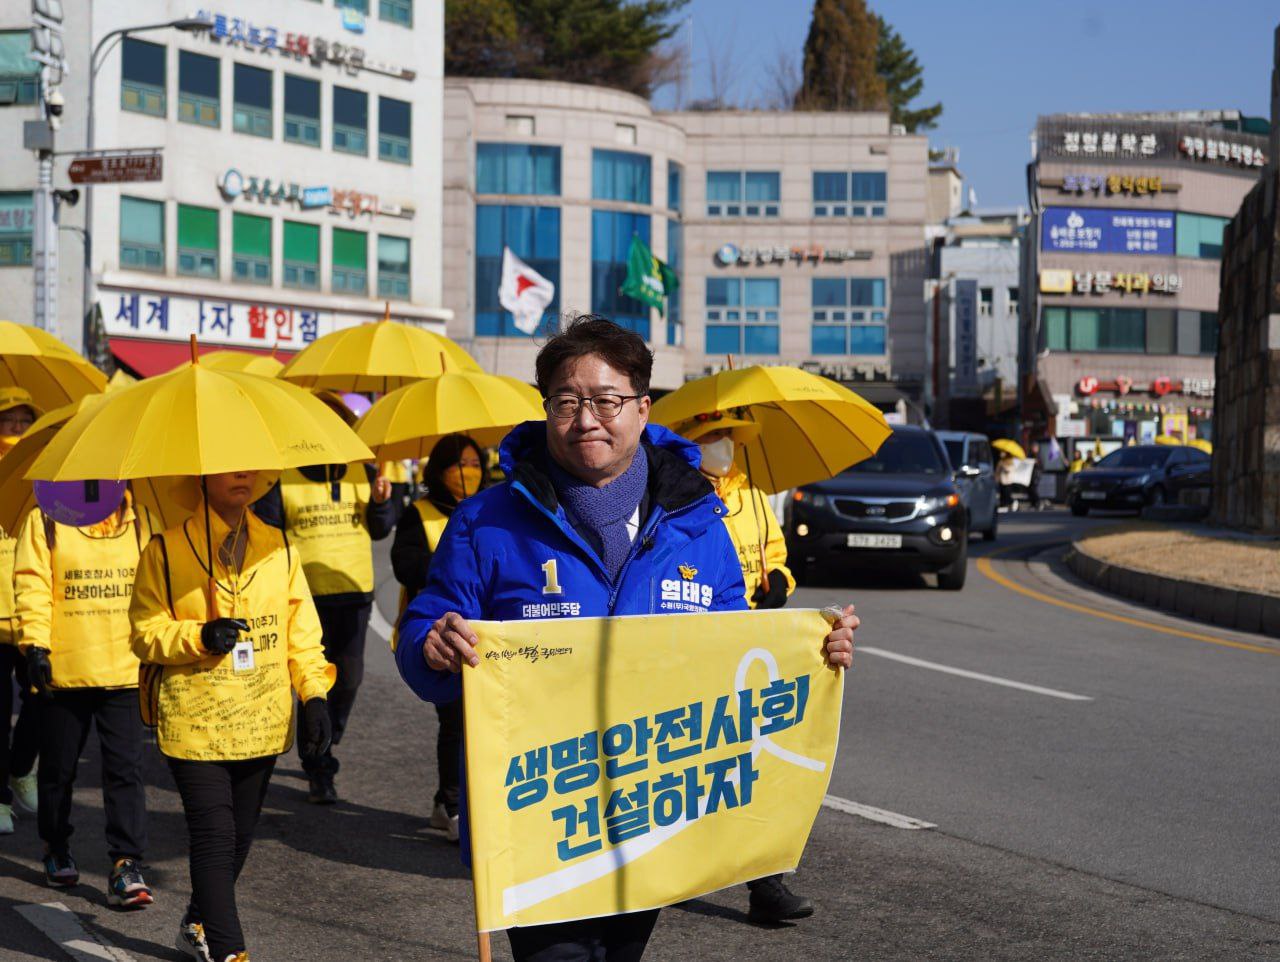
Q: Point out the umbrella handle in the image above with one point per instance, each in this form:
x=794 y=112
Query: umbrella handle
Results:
x=484 y=950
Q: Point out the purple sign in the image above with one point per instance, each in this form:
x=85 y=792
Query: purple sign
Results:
x=79 y=503
x=1105 y=230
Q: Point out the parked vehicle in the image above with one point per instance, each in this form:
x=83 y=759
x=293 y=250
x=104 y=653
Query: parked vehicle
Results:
x=901 y=508
x=1130 y=478
x=975 y=475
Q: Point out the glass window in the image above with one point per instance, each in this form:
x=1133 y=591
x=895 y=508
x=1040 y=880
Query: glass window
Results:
x=251 y=249
x=393 y=267
x=141 y=234
x=533 y=234
x=724 y=193
x=1161 y=332
x=1208 y=332
x=521 y=125
x=16 y=224
x=19 y=74
x=396 y=11
x=1120 y=330
x=858 y=331
x=733 y=193
x=350 y=273
x=619 y=175
x=197 y=241
x=251 y=113
x=1055 y=327
x=611 y=233
x=675 y=260
x=361 y=6
x=1084 y=329
x=517 y=169
x=763 y=190
x=675 y=174
x=986 y=301
x=198 y=94
x=394 y=124
x=1200 y=236
x=829 y=186
x=142 y=77
x=302 y=255
x=350 y=121
x=301 y=110
x=868 y=193
x=866 y=291
x=830 y=291
x=742 y=315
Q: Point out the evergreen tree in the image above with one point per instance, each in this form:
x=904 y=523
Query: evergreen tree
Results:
x=840 y=59
x=903 y=79
x=481 y=39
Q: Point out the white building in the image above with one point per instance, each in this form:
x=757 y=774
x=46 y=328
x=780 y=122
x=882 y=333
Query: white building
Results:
x=301 y=146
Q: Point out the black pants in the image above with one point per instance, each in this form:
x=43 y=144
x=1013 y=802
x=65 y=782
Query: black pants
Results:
x=619 y=938
x=448 y=751
x=20 y=741
x=65 y=720
x=221 y=802
x=344 y=627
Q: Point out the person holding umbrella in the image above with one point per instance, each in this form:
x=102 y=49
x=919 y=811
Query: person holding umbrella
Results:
x=451 y=475
x=73 y=586
x=332 y=514
x=20 y=744
x=222 y=607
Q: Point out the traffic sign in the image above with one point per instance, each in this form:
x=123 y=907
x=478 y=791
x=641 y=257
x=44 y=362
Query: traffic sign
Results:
x=126 y=169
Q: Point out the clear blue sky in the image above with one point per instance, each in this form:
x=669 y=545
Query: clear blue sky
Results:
x=997 y=64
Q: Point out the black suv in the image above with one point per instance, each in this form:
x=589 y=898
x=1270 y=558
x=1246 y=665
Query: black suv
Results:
x=899 y=508
x=1137 y=476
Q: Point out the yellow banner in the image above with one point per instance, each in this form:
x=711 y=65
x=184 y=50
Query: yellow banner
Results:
x=621 y=764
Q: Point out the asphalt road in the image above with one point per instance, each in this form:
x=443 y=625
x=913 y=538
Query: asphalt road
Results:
x=1105 y=788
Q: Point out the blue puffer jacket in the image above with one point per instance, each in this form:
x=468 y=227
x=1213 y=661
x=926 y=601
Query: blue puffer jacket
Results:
x=492 y=562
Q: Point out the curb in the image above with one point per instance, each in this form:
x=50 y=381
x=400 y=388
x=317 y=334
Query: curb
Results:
x=1225 y=607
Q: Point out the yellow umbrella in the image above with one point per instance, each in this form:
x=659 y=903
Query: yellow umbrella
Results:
x=1169 y=440
x=54 y=374
x=409 y=421
x=810 y=427
x=194 y=421
x=1011 y=448
x=375 y=357
x=243 y=361
x=1201 y=444
x=120 y=379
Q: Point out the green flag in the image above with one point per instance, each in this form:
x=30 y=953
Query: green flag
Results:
x=648 y=279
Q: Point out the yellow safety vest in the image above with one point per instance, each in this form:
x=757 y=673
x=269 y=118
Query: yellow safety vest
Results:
x=433 y=523
x=330 y=534
x=750 y=519
x=8 y=614
x=73 y=596
x=209 y=707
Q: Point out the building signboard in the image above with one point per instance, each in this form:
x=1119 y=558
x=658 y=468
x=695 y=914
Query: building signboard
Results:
x=1058 y=281
x=1129 y=139
x=1106 y=230
x=966 y=344
x=1110 y=183
x=266 y=190
x=731 y=255
x=1120 y=385
x=119 y=169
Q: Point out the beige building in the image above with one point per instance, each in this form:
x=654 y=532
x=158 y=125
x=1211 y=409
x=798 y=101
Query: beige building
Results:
x=798 y=237
x=1123 y=265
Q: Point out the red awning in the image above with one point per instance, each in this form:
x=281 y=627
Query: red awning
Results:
x=147 y=358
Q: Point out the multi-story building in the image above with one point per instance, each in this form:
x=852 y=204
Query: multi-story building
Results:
x=798 y=237
x=1119 y=325
x=301 y=172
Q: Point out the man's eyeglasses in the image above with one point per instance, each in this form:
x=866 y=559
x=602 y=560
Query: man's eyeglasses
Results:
x=603 y=406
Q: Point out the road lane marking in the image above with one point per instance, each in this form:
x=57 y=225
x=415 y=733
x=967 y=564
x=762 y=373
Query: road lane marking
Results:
x=987 y=569
x=871 y=813
x=965 y=673
x=381 y=627
x=63 y=928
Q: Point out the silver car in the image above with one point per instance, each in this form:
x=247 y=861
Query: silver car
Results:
x=975 y=475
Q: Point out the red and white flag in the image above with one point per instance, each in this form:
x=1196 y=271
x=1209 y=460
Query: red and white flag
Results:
x=524 y=292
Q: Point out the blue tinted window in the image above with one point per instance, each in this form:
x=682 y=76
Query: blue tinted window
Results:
x=763 y=186
x=742 y=315
x=830 y=292
x=867 y=292
x=829 y=339
x=619 y=175
x=724 y=339
x=517 y=169
x=869 y=186
x=761 y=292
x=533 y=234
x=829 y=186
x=724 y=185
x=723 y=291
x=760 y=339
x=675 y=176
x=611 y=233
x=868 y=339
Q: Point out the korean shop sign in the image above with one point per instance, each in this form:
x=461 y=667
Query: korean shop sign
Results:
x=731 y=255
x=1108 y=282
x=235 y=185
x=1105 y=230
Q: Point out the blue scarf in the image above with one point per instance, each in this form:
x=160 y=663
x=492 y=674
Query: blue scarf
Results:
x=600 y=515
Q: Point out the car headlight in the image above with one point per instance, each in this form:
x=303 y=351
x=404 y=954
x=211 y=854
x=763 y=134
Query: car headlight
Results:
x=811 y=498
x=939 y=503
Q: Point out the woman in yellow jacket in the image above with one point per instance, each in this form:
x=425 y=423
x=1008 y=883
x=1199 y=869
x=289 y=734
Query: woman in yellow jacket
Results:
x=755 y=532
x=226 y=629
x=72 y=587
x=20 y=743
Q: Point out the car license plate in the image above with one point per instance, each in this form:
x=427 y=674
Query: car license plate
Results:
x=875 y=541
x=1094 y=495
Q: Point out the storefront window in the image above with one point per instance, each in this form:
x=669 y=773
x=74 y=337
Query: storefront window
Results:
x=1118 y=330
x=533 y=234
x=1200 y=235
x=620 y=175
x=517 y=169
x=611 y=233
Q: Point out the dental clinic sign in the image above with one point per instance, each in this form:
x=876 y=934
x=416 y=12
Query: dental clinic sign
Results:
x=234 y=185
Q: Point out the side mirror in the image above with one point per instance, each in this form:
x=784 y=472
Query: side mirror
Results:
x=969 y=471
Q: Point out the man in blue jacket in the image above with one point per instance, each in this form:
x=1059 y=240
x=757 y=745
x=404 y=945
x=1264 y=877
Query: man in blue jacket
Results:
x=598 y=508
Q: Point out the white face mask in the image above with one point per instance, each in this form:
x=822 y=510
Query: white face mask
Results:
x=717 y=457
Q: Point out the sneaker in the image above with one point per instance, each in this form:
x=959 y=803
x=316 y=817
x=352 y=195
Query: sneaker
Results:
x=773 y=902
x=60 y=870
x=191 y=940
x=24 y=792
x=6 y=820
x=126 y=887
x=441 y=819
x=322 y=791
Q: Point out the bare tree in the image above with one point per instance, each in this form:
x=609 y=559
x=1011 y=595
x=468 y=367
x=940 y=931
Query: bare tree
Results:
x=783 y=78
x=722 y=72
x=668 y=66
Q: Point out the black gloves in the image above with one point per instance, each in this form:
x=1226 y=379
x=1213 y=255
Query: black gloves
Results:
x=776 y=596
x=316 y=729
x=220 y=635
x=39 y=671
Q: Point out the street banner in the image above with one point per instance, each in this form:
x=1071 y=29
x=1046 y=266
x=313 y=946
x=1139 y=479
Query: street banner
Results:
x=622 y=764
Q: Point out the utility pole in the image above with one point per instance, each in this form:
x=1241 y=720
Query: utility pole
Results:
x=38 y=135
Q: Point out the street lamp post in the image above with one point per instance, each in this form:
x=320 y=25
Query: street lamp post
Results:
x=185 y=24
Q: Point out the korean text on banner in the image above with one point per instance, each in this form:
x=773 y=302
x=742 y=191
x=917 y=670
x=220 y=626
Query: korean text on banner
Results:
x=621 y=764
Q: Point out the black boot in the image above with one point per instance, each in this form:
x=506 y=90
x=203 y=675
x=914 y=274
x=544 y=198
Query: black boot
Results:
x=773 y=902
x=322 y=791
